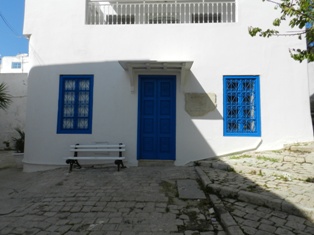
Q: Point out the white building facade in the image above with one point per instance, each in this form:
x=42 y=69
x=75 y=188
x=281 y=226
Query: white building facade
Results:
x=173 y=80
x=15 y=64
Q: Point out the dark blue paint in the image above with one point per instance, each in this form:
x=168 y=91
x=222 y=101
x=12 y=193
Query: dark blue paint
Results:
x=61 y=116
x=242 y=106
x=157 y=117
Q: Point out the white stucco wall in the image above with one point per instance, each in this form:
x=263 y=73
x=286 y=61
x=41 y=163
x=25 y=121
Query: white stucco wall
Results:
x=6 y=64
x=216 y=49
x=14 y=116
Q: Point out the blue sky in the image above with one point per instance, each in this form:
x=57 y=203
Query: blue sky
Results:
x=12 y=41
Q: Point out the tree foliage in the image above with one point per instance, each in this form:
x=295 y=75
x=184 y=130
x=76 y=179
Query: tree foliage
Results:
x=5 y=98
x=300 y=16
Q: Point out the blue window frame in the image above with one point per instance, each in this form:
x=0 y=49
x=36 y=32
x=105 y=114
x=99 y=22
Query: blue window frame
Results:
x=241 y=106
x=75 y=104
x=16 y=65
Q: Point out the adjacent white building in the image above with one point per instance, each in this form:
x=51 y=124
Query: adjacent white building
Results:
x=14 y=64
x=173 y=80
x=13 y=72
x=14 y=116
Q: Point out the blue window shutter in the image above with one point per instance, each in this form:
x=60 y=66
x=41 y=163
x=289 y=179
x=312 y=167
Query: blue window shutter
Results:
x=75 y=104
x=241 y=106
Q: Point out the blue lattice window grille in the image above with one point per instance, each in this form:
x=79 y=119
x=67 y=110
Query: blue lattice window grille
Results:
x=242 y=106
x=16 y=65
x=75 y=104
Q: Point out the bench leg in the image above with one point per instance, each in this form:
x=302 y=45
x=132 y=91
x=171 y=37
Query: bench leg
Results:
x=72 y=162
x=118 y=163
x=78 y=164
x=71 y=165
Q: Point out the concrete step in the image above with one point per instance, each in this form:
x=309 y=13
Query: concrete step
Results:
x=300 y=147
x=282 y=164
x=155 y=163
x=276 y=156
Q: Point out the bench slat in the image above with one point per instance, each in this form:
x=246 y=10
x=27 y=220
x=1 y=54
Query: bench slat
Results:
x=96 y=158
x=97 y=146
x=97 y=150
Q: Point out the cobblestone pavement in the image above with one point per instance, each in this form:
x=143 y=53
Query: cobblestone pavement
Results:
x=268 y=192
x=134 y=201
x=254 y=219
x=263 y=193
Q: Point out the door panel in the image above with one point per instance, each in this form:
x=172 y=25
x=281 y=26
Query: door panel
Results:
x=157 y=117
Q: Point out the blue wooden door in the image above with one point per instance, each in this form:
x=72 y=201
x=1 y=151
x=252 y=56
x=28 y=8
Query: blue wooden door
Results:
x=157 y=117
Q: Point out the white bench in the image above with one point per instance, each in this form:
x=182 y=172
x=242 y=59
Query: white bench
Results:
x=96 y=148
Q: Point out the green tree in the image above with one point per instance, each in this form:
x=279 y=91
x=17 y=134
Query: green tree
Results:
x=299 y=14
x=5 y=98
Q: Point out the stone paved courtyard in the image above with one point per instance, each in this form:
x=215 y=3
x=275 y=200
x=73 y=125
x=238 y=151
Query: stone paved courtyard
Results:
x=102 y=201
x=262 y=193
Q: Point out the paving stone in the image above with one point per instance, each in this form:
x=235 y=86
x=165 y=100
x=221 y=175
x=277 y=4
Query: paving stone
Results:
x=267 y=221
x=252 y=217
x=251 y=223
x=113 y=233
x=281 y=231
x=249 y=230
x=235 y=230
x=260 y=232
x=189 y=189
x=190 y=232
x=221 y=233
x=127 y=233
x=267 y=228
x=239 y=220
x=295 y=225
x=277 y=220
x=97 y=233
x=227 y=220
x=115 y=220
x=309 y=230
x=280 y=214
x=296 y=219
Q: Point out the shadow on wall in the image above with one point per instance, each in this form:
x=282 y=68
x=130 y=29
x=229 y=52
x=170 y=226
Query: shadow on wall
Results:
x=197 y=118
x=114 y=113
x=200 y=103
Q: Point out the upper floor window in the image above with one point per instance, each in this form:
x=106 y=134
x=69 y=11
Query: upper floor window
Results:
x=75 y=104
x=16 y=65
x=241 y=106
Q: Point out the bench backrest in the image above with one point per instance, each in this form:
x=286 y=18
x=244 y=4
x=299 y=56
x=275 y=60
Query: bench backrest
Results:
x=97 y=148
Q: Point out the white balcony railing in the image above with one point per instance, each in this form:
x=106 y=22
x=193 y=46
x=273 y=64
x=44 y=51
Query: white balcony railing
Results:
x=157 y=12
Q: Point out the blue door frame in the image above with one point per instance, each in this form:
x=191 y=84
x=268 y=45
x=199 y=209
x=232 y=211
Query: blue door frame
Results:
x=157 y=117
